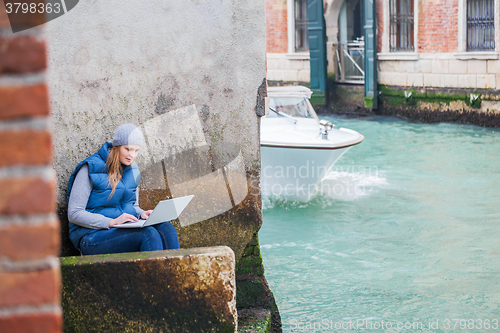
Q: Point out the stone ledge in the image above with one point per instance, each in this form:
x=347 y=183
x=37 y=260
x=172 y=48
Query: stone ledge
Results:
x=476 y=55
x=254 y=321
x=186 y=290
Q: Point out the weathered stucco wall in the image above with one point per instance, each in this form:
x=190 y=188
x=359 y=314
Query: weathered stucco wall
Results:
x=149 y=63
x=113 y=62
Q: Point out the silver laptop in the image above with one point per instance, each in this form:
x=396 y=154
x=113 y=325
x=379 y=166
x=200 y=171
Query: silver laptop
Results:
x=164 y=211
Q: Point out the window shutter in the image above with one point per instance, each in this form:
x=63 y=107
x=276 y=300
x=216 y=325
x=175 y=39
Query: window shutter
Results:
x=317 y=45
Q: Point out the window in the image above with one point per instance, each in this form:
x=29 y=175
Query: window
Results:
x=480 y=25
x=301 y=35
x=401 y=25
x=292 y=106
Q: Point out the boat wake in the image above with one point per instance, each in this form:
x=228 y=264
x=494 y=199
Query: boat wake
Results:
x=335 y=186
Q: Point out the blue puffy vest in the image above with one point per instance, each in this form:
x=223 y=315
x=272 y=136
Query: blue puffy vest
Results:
x=100 y=202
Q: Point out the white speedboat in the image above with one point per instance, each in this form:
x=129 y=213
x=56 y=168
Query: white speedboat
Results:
x=297 y=148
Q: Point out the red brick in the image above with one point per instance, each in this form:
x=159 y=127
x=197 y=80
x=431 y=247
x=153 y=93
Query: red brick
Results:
x=30 y=242
x=32 y=323
x=24 y=101
x=276 y=26
x=380 y=23
x=4 y=19
x=25 y=147
x=29 y=288
x=21 y=55
x=27 y=195
x=438 y=26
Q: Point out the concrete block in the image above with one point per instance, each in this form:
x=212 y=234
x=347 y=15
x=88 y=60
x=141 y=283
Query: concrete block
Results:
x=384 y=77
x=304 y=75
x=423 y=66
x=290 y=75
x=467 y=81
x=273 y=75
x=186 y=290
x=486 y=81
x=439 y=66
x=283 y=64
x=297 y=64
x=273 y=63
x=393 y=79
x=408 y=66
x=398 y=79
x=457 y=66
x=476 y=66
x=493 y=66
x=398 y=66
x=432 y=80
x=449 y=80
x=416 y=80
x=386 y=66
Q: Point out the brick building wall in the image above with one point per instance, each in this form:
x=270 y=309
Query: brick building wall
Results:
x=380 y=23
x=437 y=26
x=440 y=59
x=276 y=26
x=29 y=229
x=283 y=63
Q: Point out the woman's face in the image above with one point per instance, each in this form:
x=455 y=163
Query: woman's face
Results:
x=128 y=153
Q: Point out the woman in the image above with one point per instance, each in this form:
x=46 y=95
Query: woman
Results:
x=102 y=192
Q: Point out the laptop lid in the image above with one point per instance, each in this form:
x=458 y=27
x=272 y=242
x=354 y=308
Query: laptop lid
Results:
x=168 y=210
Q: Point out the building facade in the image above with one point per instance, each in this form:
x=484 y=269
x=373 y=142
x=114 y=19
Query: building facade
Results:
x=452 y=44
x=287 y=41
x=442 y=44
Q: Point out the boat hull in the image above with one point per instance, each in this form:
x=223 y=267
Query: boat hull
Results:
x=295 y=173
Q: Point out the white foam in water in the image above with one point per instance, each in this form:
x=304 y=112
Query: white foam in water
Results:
x=346 y=186
x=336 y=185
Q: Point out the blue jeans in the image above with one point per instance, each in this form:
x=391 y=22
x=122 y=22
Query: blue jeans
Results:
x=160 y=236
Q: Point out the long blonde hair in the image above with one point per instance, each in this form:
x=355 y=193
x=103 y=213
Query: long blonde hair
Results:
x=115 y=169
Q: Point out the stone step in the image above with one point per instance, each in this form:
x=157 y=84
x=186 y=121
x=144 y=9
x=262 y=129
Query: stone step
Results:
x=186 y=290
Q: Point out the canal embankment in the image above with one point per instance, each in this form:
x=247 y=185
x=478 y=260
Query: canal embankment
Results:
x=479 y=107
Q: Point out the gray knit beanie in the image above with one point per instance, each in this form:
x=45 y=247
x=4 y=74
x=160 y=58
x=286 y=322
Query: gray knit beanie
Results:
x=127 y=134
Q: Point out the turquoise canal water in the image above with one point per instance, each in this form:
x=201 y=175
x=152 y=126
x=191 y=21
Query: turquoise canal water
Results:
x=409 y=240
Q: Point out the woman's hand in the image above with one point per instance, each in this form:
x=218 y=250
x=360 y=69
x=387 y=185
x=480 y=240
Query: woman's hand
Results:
x=122 y=219
x=145 y=214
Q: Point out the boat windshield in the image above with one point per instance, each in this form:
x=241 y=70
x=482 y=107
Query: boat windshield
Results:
x=292 y=106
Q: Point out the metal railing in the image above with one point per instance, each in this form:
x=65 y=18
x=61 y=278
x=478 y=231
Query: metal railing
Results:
x=480 y=25
x=349 y=62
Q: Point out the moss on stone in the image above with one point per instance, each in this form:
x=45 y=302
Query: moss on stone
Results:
x=251 y=259
x=254 y=321
x=252 y=290
x=400 y=96
x=317 y=98
x=368 y=101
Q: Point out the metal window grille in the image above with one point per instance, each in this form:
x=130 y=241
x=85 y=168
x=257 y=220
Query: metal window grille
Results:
x=401 y=25
x=480 y=25
x=301 y=35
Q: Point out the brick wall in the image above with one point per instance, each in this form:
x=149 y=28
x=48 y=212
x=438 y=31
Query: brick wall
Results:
x=380 y=23
x=438 y=26
x=276 y=26
x=29 y=229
